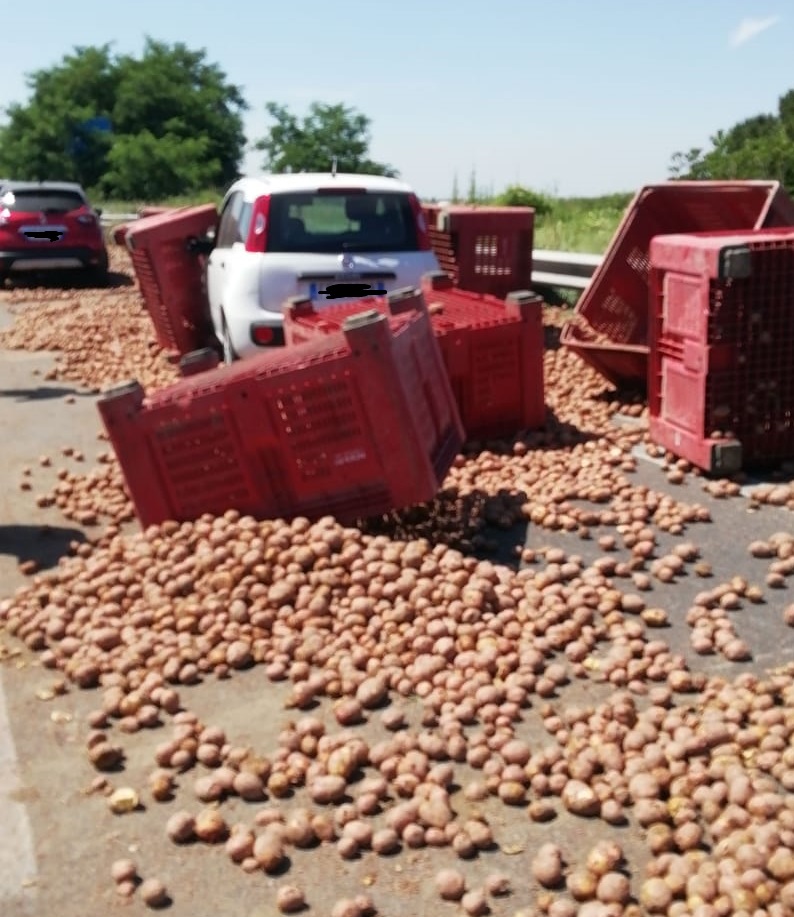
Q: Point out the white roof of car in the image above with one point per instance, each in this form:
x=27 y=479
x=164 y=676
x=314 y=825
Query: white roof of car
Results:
x=253 y=186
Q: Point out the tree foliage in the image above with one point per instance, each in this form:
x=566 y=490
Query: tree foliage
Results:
x=311 y=143
x=761 y=147
x=519 y=196
x=175 y=123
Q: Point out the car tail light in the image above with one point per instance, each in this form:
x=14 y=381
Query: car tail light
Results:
x=422 y=234
x=13 y=218
x=87 y=219
x=267 y=335
x=257 y=234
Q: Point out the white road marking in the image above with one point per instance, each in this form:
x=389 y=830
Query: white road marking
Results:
x=17 y=850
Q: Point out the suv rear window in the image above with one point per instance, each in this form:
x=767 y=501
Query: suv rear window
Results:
x=41 y=200
x=360 y=221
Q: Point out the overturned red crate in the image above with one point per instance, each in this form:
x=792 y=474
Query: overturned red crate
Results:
x=492 y=349
x=721 y=368
x=609 y=329
x=119 y=232
x=355 y=424
x=483 y=249
x=170 y=277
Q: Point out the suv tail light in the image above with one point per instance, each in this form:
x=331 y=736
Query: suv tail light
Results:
x=257 y=234
x=422 y=234
x=87 y=219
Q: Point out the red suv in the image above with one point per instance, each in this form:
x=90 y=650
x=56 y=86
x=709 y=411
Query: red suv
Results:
x=46 y=225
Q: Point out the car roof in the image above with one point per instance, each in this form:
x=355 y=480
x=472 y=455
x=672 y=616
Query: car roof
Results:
x=42 y=186
x=269 y=183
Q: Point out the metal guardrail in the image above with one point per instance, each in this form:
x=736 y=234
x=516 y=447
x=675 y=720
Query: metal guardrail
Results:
x=568 y=270
x=110 y=219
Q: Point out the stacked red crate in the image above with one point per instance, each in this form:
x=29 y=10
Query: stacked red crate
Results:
x=492 y=349
x=356 y=424
x=170 y=276
x=609 y=329
x=483 y=249
x=721 y=369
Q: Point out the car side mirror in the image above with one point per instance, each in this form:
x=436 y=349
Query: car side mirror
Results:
x=98 y=211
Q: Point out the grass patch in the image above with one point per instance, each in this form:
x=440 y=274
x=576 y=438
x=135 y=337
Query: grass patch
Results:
x=581 y=224
x=183 y=200
x=574 y=224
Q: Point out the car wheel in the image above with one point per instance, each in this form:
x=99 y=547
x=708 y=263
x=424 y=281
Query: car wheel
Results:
x=229 y=356
x=99 y=272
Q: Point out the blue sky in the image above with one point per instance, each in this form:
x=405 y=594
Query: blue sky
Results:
x=571 y=97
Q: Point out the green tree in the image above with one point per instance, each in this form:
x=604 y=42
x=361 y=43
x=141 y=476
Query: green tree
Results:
x=761 y=147
x=518 y=196
x=145 y=167
x=311 y=144
x=176 y=124
x=44 y=139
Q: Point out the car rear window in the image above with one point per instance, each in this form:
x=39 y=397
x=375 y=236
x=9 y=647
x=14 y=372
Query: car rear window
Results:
x=40 y=200
x=361 y=221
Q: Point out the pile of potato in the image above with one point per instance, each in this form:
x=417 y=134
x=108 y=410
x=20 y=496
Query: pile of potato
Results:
x=102 y=337
x=394 y=623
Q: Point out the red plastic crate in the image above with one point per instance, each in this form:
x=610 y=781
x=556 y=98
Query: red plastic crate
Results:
x=303 y=322
x=492 y=349
x=199 y=361
x=609 y=329
x=721 y=367
x=155 y=211
x=483 y=249
x=355 y=424
x=170 y=276
x=120 y=231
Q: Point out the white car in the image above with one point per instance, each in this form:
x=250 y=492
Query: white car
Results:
x=330 y=237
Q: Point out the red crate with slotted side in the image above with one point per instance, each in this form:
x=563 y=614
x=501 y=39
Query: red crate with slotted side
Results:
x=355 y=424
x=483 y=249
x=609 y=328
x=721 y=367
x=170 y=276
x=492 y=349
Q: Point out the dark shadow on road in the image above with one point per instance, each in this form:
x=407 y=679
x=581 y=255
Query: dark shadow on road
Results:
x=484 y=525
x=555 y=296
x=44 y=544
x=67 y=280
x=42 y=393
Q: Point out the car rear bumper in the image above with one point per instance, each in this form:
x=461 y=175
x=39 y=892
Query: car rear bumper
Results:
x=51 y=256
